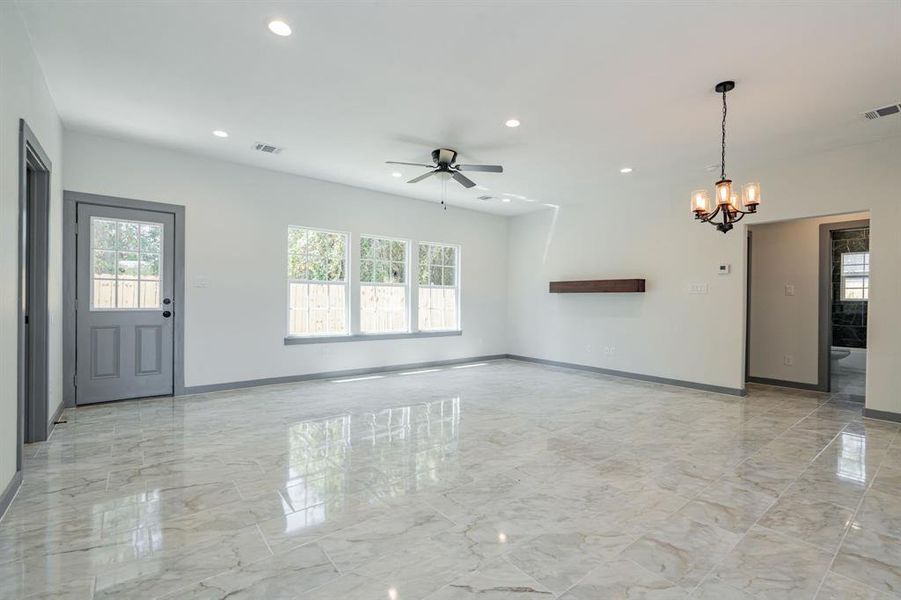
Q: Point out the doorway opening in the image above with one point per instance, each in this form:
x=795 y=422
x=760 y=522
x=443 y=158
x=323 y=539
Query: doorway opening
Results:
x=32 y=330
x=845 y=260
x=807 y=298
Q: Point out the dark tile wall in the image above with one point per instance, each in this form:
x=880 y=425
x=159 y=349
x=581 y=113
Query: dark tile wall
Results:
x=849 y=319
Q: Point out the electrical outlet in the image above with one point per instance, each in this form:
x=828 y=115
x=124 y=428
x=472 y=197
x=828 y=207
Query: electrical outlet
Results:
x=201 y=282
x=697 y=288
x=789 y=360
x=609 y=350
x=789 y=289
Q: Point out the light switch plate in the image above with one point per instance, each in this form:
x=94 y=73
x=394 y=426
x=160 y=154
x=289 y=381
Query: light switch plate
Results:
x=697 y=288
x=789 y=289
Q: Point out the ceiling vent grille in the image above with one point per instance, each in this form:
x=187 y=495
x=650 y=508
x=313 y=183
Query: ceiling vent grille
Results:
x=485 y=197
x=267 y=148
x=892 y=109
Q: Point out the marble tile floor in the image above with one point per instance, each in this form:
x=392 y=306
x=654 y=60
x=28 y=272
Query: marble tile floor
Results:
x=488 y=480
x=849 y=381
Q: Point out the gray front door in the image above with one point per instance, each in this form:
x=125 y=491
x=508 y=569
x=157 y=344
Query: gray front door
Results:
x=124 y=303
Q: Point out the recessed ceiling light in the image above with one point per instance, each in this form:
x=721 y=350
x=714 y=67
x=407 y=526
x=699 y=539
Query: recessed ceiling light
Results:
x=505 y=200
x=220 y=133
x=396 y=174
x=626 y=170
x=280 y=28
x=512 y=123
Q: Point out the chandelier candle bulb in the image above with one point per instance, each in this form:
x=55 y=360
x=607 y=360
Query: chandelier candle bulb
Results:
x=750 y=194
x=723 y=192
x=700 y=201
x=735 y=202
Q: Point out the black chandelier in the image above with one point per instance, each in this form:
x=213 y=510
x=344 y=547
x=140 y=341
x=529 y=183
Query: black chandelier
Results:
x=728 y=206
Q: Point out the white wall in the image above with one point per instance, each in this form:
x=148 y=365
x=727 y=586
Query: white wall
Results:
x=236 y=238
x=647 y=231
x=783 y=254
x=24 y=94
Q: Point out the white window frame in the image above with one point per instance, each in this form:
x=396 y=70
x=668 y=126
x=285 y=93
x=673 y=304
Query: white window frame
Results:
x=346 y=283
x=406 y=285
x=864 y=275
x=457 y=285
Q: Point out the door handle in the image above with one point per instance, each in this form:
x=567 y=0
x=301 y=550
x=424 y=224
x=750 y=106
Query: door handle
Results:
x=167 y=313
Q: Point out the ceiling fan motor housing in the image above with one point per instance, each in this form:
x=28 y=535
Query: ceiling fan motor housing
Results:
x=444 y=156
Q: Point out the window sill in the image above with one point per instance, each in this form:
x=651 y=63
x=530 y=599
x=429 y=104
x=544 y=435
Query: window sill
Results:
x=365 y=337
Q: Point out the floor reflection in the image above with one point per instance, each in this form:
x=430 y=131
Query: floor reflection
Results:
x=851 y=462
x=341 y=461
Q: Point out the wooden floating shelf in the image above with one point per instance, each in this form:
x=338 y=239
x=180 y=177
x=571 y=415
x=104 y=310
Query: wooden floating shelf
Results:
x=598 y=286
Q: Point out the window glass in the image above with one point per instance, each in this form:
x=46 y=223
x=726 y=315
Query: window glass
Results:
x=126 y=264
x=383 y=285
x=855 y=276
x=439 y=287
x=317 y=282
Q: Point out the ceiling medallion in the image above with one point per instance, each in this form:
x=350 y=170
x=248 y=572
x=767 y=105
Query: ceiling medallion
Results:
x=729 y=207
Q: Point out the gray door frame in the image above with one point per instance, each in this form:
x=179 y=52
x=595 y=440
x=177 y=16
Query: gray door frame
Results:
x=34 y=233
x=824 y=338
x=71 y=200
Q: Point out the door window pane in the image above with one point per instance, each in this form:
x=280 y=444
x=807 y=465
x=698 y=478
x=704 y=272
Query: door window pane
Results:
x=126 y=264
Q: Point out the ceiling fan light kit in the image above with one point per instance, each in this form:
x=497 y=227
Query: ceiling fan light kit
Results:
x=728 y=205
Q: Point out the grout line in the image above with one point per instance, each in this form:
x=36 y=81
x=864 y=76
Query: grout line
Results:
x=265 y=541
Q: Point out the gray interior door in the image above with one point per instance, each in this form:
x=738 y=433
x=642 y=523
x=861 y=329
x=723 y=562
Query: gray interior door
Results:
x=124 y=303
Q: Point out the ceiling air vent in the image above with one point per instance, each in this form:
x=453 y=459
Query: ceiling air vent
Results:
x=891 y=109
x=485 y=197
x=267 y=148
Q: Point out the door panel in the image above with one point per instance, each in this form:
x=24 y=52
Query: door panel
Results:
x=105 y=351
x=125 y=304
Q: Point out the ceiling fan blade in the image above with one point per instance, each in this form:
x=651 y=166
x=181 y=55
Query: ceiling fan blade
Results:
x=421 y=177
x=485 y=168
x=464 y=180
x=394 y=162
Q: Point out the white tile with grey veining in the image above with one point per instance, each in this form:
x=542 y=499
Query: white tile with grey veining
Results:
x=502 y=479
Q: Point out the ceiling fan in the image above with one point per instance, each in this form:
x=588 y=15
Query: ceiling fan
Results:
x=445 y=162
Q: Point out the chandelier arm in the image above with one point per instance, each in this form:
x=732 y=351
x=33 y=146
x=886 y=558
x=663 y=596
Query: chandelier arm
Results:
x=710 y=216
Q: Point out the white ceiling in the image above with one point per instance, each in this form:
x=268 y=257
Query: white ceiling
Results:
x=597 y=85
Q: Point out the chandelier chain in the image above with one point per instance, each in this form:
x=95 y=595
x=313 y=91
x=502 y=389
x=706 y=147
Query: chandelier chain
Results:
x=723 y=146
